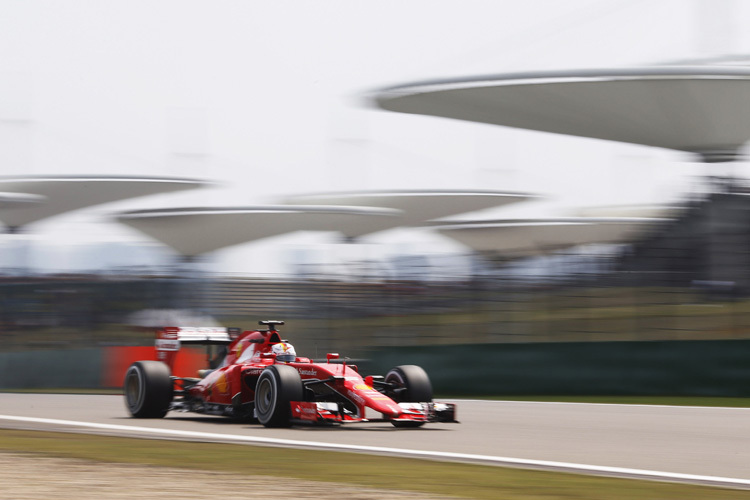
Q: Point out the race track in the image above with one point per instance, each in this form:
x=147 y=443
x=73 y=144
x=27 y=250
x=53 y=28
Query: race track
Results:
x=691 y=444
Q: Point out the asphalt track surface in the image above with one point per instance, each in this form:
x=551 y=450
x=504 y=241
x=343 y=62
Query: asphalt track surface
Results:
x=683 y=444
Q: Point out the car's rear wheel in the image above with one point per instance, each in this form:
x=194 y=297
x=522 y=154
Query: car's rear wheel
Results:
x=409 y=384
x=148 y=389
x=276 y=387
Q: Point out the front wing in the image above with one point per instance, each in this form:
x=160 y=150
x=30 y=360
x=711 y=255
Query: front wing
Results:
x=333 y=413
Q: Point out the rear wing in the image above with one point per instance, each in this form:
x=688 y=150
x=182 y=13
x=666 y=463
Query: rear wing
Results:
x=170 y=339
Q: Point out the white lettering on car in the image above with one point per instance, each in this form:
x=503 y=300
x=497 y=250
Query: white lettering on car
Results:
x=167 y=345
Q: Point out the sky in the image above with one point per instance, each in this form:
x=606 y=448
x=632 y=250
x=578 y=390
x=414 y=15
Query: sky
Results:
x=269 y=99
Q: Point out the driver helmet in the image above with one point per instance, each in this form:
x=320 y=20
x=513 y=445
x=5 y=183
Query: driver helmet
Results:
x=284 y=352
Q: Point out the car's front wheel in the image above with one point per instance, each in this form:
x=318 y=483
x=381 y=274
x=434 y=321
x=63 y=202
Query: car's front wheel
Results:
x=408 y=384
x=277 y=386
x=148 y=389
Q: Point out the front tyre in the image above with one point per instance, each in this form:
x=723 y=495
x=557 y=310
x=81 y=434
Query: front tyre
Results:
x=148 y=389
x=277 y=386
x=409 y=384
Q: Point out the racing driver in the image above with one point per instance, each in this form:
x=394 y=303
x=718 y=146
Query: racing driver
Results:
x=284 y=352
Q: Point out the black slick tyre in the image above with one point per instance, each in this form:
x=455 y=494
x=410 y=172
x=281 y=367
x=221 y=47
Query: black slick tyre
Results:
x=148 y=389
x=409 y=384
x=276 y=387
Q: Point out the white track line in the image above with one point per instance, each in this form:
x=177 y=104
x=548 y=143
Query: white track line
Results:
x=434 y=455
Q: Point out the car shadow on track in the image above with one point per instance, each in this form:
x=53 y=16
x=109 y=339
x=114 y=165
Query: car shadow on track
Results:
x=199 y=419
x=366 y=428
x=245 y=424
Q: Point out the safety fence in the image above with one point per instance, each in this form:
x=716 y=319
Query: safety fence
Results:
x=45 y=313
x=691 y=368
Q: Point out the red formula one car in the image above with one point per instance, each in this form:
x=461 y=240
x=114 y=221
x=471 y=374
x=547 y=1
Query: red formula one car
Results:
x=260 y=377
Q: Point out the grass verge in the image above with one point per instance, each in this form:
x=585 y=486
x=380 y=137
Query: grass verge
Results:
x=460 y=480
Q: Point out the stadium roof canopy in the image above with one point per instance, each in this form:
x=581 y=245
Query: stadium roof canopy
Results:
x=61 y=194
x=521 y=238
x=20 y=200
x=667 y=211
x=699 y=109
x=195 y=231
x=416 y=207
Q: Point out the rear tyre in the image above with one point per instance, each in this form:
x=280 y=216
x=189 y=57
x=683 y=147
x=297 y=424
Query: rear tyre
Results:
x=409 y=384
x=276 y=387
x=148 y=389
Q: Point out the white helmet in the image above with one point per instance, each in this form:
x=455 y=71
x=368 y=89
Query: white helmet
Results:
x=284 y=352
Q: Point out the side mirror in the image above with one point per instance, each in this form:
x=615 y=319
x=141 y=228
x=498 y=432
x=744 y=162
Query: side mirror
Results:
x=332 y=355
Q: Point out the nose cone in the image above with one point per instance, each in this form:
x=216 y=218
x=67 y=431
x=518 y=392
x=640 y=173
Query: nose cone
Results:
x=386 y=406
x=375 y=400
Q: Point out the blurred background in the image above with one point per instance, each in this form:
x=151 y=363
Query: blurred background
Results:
x=617 y=268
